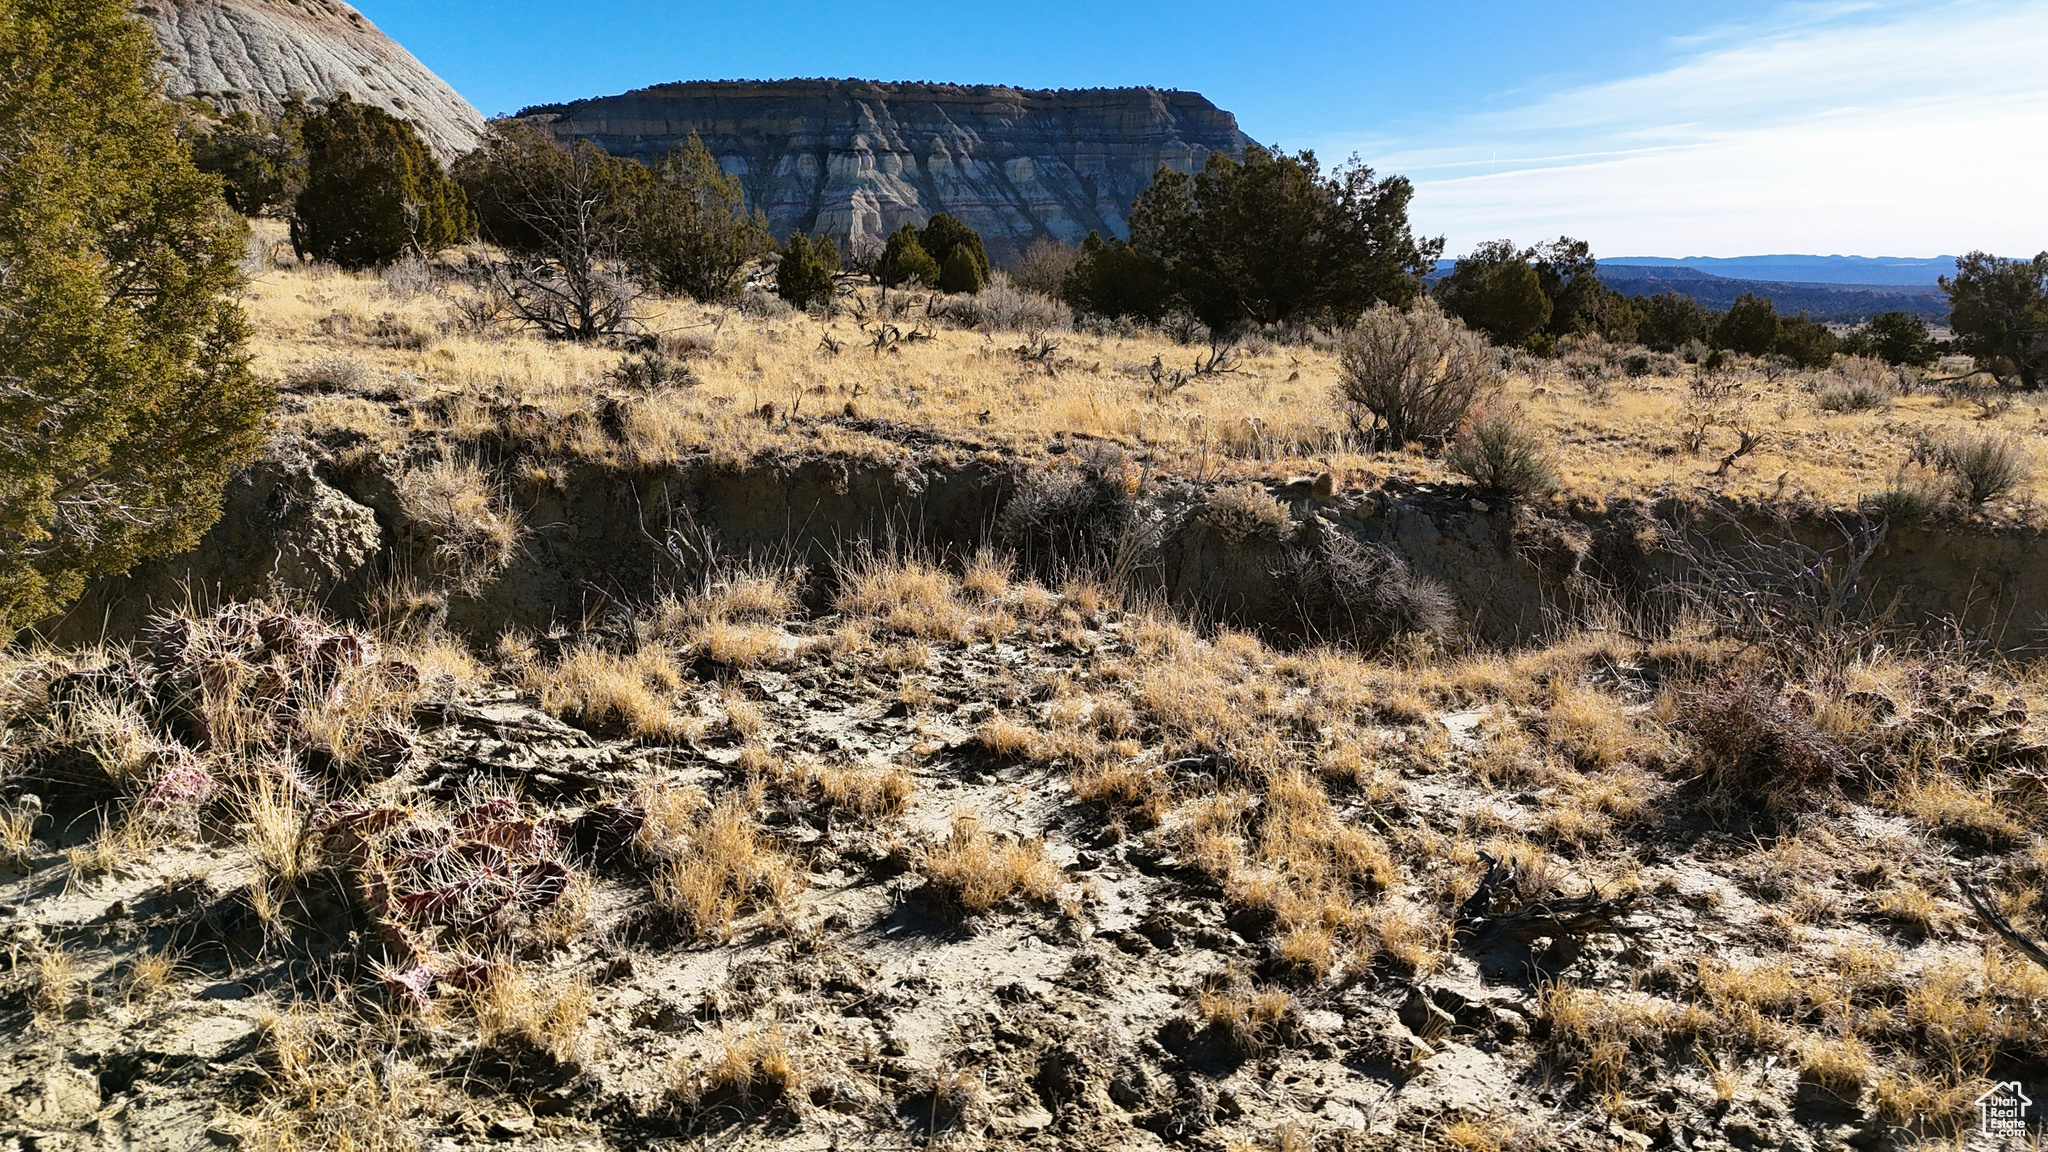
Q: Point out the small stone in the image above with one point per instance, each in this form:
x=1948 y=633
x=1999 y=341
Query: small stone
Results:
x=1481 y=506
x=511 y=1127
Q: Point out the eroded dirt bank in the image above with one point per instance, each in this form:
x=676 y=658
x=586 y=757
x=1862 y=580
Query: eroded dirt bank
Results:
x=600 y=539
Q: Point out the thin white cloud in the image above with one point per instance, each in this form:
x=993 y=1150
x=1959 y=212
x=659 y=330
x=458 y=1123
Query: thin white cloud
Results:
x=1865 y=128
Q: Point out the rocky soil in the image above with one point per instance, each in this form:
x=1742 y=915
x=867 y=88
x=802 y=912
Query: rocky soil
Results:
x=983 y=865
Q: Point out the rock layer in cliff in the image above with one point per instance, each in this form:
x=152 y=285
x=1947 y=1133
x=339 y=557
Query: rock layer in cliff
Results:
x=857 y=159
x=254 y=54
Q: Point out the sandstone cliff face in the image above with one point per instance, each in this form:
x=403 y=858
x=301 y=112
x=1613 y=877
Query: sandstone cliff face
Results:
x=857 y=159
x=253 y=54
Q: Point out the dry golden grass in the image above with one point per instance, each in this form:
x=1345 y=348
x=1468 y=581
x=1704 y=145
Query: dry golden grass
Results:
x=150 y=974
x=756 y=1065
x=60 y=983
x=1276 y=414
x=278 y=838
x=908 y=596
x=626 y=695
x=550 y=1014
x=719 y=866
x=867 y=792
x=977 y=871
x=18 y=824
x=335 y=1082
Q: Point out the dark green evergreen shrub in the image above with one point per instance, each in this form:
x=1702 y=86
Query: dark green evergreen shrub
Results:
x=261 y=163
x=125 y=393
x=374 y=192
x=804 y=277
x=693 y=235
x=1998 y=310
x=944 y=237
x=1750 y=327
x=905 y=260
x=1495 y=290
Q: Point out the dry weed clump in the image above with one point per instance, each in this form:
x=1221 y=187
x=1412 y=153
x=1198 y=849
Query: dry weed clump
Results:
x=473 y=531
x=713 y=869
x=613 y=694
x=1251 y=1019
x=976 y=871
x=336 y=1082
x=1750 y=744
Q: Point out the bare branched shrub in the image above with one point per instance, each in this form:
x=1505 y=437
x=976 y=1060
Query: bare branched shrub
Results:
x=1004 y=307
x=1984 y=466
x=1412 y=376
x=1809 y=604
x=475 y=534
x=1075 y=517
x=1747 y=740
x=1503 y=458
x=1365 y=594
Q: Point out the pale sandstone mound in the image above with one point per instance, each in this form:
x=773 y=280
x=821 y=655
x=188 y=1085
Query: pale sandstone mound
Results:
x=253 y=54
x=857 y=159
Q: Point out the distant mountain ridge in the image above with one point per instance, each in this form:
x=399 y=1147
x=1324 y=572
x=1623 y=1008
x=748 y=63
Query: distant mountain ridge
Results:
x=857 y=158
x=1881 y=270
x=1830 y=303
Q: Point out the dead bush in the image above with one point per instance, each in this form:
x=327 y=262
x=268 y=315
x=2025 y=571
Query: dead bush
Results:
x=1076 y=517
x=1364 y=595
x=474 y=533
x=1746 y=740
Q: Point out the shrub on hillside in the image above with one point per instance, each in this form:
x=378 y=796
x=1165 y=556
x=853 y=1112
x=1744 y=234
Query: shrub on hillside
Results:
x=1005 y=307
x=125 y=392
x=1669 y=322
x=565 y=217
x=692 y=233
x=374 y=192
x=1110 y=278
x=1750 y=326
x=1364 y=595
x=1998 y=310
x=261 y=163
x=905 y=261
x=1983 y=466
x=804 y=276
x=1044 y=266
x=1412 y=376
x=1747 y=741
x=1897 y=338
x=1271 y=240
x=958 y=251
x=1072 y=518
x=1807 y=343
x=1503 y=458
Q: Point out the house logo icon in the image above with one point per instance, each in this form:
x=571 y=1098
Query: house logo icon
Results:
x=2003 y=1110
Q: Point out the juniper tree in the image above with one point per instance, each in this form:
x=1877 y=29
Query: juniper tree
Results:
x=693 y=233
x=125 y=392
x=373 y=191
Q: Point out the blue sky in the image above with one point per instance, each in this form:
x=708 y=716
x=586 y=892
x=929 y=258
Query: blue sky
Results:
x=1670 y=128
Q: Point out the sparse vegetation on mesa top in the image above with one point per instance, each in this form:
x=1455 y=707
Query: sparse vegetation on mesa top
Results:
x=125 y=392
